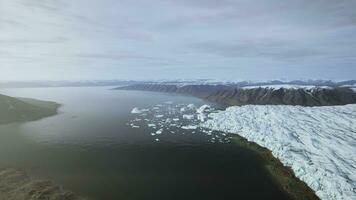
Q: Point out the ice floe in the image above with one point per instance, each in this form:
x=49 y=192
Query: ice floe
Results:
x=203 y=108
x=189 y=127
x=189 y=117
x=318 y=143
x=171 y=118
x=136 y=111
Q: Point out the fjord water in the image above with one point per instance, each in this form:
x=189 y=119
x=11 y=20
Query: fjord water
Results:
x=88 y=148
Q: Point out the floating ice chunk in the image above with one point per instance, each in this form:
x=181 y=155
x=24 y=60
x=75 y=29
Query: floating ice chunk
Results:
x=134 y=126
x=157 y=140
x=189 y=117
x=203 y=108
x=139 y=111
x=151 y=125
x=201 y=117
x=159 y=131
x=159 y=116
x=136 y=111
x=191 y=106
x=175 y=119
x=189 y=127
x=183 y=109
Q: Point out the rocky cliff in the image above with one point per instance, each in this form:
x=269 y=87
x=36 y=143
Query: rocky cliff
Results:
x=231 y=95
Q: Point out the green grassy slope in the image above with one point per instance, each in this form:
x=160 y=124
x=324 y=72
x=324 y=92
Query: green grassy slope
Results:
x=24 y=109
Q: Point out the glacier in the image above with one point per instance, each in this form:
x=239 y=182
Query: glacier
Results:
x=318 y=143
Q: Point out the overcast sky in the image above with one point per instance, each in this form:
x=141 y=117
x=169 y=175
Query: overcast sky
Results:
x=170 y=39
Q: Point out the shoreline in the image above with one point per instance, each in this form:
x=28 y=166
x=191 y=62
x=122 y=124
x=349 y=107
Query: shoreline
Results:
x=18 y=185
x=282 y=175
x=21 y=110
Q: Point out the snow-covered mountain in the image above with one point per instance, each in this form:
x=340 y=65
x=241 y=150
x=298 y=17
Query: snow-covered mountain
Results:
x=178 y=82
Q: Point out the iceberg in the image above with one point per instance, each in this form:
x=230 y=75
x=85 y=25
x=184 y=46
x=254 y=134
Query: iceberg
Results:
x=318 y=143
x=190 y=106
x=189 y=127
x=203 y=108
x=189 y=117
x=138 y=111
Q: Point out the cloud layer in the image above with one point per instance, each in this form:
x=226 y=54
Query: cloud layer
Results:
x=166 y=39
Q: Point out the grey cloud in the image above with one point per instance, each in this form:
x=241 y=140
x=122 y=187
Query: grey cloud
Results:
x=307 y=13
x=257 y=49
x=48 y=5
x=180 y=37
x=117 y=56
x=20 y=41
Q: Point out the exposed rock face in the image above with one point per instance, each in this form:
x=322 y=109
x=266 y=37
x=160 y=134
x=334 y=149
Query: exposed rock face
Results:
x=16 y=185
x=282 y=96
x=201 y=91
x=230 y=95
x=22 y=109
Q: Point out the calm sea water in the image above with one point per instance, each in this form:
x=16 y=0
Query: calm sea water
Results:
x=89 y=149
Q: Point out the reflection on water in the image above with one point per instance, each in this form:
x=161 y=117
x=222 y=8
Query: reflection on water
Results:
x=89 y=148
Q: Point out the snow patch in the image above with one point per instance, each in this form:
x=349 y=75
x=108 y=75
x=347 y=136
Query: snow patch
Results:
x=277 y=87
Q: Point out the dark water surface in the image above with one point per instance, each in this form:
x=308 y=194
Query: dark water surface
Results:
x=89 y=149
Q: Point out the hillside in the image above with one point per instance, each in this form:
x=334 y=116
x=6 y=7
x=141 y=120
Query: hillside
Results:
x=24 y=109
x=259 y=95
